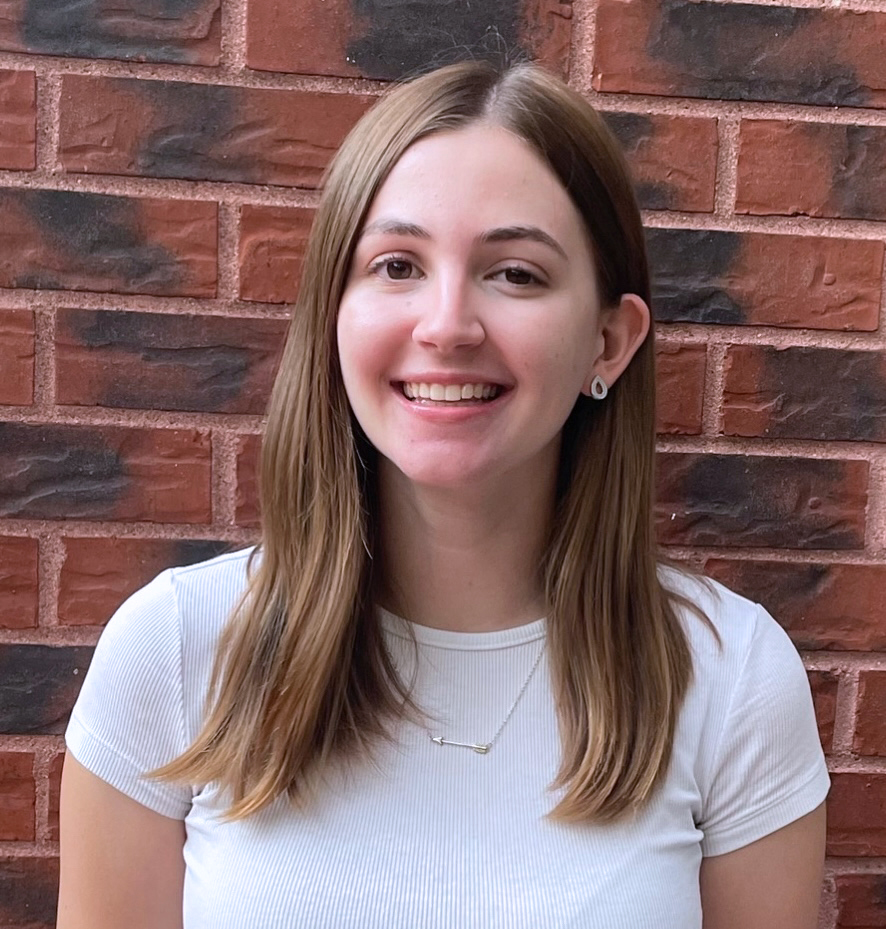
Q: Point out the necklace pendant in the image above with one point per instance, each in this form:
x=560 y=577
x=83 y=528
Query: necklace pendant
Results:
x=480 y=749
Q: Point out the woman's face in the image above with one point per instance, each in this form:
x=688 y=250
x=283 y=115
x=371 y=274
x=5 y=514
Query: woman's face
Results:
x=470 y=319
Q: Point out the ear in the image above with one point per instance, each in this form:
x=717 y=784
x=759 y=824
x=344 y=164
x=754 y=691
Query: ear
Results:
x=623 y=329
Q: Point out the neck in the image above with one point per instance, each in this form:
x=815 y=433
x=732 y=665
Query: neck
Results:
x=464 y=559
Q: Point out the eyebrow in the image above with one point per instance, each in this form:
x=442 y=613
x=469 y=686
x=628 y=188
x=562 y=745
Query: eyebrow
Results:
x=502 y=234
x=395 y=227
x=516 y=233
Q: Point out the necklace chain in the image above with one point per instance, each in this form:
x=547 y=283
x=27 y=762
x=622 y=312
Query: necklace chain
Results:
x=482 y=748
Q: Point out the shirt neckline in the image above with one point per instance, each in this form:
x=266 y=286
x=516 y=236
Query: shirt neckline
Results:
x=460 y=641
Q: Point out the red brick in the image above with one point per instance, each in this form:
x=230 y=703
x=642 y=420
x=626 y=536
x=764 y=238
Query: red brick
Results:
x=741 y=500
x=857 y=815
x=804 y=393
x=824 y=685
x=162 y=361
x=272 y=248
x=680 y=374
x=17 y=357
x=393 y=40
x=248 y=467
x=861 y=901
x=822 y=606
x=18 y=794
x=870 y=722
x=30 y=892
x=19 y=591
x=709 y=276
x=98 y=574
x=18 y=120
x=188 y=33
x=78 y=472
x=673 y=159
x=741 y=51
x=202 y=131
x=55 y=782
x=835 y=170
x=66 y=240
x=38 y=687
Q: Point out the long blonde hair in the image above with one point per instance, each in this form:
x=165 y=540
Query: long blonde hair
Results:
x=302 y=675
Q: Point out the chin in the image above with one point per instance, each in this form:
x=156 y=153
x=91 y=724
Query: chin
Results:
x=452 y=473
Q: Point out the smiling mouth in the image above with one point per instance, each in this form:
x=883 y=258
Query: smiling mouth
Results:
x=450 y=393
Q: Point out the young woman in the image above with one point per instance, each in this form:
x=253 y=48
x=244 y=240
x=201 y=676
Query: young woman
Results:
x=452 y=687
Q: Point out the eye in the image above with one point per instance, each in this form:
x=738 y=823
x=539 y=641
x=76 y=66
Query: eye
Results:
x=520 y=277
x=394 y=268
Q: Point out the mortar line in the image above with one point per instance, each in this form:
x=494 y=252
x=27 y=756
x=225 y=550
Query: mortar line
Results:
x=234 y=26
x=875 y=532
x=727 y=167
x=48 y=116
x=715 y=378
x=582 y=45
x=228 y=258
x=846 y=712
x=41 y=805
x=95 y=300
x=225 y=73
x=224 y=466
x=52 y=556
x=44 y=360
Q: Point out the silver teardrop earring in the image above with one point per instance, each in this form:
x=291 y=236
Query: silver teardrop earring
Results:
x=599 y=390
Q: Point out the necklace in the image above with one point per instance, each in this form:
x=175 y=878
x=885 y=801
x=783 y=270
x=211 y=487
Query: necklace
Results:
x=482 y=748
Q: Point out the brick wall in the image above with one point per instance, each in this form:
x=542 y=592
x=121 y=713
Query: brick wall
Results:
x=158 y=171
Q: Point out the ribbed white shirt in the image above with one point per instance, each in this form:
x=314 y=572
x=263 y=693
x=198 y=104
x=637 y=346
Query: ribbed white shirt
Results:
x=439 y=837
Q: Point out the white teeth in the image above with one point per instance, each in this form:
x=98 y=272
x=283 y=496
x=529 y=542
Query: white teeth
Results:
x=450 y=392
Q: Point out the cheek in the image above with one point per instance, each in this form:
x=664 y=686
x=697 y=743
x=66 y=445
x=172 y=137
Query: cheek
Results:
x=577 y=349
x=350 y=342
x=368 y=341
x=354 y=322
x=558 y=356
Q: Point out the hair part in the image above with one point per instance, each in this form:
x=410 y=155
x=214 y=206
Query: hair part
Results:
x=302 y=676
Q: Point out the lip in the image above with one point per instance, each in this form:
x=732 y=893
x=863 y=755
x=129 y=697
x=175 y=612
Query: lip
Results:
x=430 y=377
x=450 y=412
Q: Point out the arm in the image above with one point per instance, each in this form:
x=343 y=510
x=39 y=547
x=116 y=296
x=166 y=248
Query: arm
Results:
x=773 y=883
x=121 y=863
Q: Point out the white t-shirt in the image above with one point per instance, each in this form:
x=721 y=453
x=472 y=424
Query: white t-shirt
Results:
x=440 y=837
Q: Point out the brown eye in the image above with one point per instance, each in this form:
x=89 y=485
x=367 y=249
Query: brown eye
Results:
x=519 y=276
x=398 y=269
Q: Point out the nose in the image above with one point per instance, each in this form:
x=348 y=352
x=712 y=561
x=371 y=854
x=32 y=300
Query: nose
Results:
x=448 y=317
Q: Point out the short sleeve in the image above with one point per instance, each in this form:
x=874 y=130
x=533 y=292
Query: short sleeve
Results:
x=129 y=716
x=768 y=768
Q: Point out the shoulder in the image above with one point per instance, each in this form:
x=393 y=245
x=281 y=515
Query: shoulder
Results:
x=725 y=628
x=168 y=630
x=143 y=697
x=747 y=728
x=742 y=659
x=205 y=596
x=180 y=602
x=747 y=676
x=206 y=592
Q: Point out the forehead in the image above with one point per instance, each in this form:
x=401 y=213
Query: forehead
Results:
x=472 y=179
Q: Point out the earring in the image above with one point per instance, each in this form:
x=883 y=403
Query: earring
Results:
x=599 y=388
